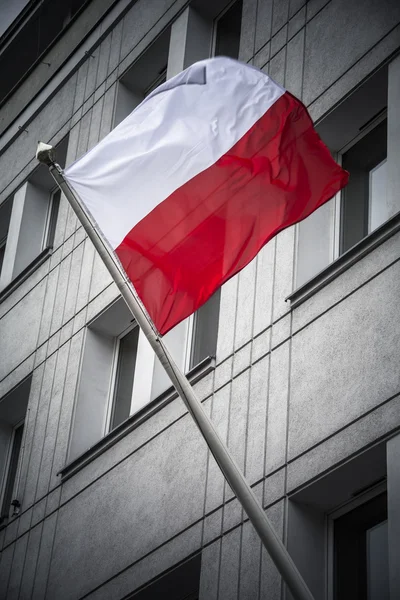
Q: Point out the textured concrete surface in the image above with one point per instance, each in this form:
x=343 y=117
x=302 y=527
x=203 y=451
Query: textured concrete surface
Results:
x=295 y=393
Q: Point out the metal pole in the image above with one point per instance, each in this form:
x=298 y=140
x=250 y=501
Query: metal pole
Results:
x=231 y=471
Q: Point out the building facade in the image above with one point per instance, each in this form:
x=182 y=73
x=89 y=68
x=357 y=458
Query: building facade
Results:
x=107 y=489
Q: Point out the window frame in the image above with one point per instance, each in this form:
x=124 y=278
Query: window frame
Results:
x=143 y=357
x=113 y=380
x=215 y=25
x=336 y=225
x=338 y=512
x=5 y=516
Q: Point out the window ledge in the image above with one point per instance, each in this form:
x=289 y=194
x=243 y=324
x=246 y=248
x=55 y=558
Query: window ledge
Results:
x=195 y=374
x=27 y=272
x=345 y=261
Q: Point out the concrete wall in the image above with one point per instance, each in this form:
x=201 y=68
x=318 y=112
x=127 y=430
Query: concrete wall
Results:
x=295 y=392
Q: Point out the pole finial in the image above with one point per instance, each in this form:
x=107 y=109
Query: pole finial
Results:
x=45 y=153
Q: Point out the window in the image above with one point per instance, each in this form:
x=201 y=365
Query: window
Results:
x=26 y=42
x=148 y=72
x=227 y=31
x=361 y=564
x=12 y=414
x=27 y=222
x=364 y=202
x=337 y=529
x=357 y=134
x=180 y=583
x=120 y=373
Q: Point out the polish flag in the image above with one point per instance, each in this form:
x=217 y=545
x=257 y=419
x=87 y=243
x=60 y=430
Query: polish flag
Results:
x=199 y=177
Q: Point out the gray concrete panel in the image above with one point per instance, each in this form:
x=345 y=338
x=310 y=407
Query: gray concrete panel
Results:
x=294 y=65
x=32 y=552
x=50 y=436
x=346 y=31
x=39 y=431
x=19 y=330
x=245 y=303
x=248 y=30
x=215 y=479
x=212 y=526
x=237 y=434
x=17 y=568
x=295 y=6
x=264 y=23
x=297 y=21
x=264 y=287
x=393 y=461
x=241 y=359
x=279 y=40
x=230 y=565
x=210 y=558
x=73 y=282
x=132 y=503
x=280 y=14
x=66 y=408
x=345 y=363
x=140 y=19
x=143 y=571
x=261 y=345
x=44 y=558
x=276 y=67
x=360 y=273
x=255 y=447
x=270 y=581
x=223 y=373
x=60 y=295
x=6 y=558
x=350 y=440
x=277 y=408
x=262 y=57
x=227 y=312
x=250 y=560
x=97 y=113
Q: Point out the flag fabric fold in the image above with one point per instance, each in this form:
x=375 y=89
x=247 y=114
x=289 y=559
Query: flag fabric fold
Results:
x=199 y=177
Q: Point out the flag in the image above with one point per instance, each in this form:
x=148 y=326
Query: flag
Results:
x=199 y=177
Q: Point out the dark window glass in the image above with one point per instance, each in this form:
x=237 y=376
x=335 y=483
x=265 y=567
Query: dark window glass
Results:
x=361 y=569
x=228 y=32
x=364 y=204
x=33 y=39
x=51 y=230
x=124 y=377
x=5 y=216
x=182 y=583
x=205 y=330
x=12 y=471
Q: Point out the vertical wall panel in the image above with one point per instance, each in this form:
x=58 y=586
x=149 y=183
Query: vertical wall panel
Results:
x=215 y=482
x=66 y=409
x=31 y=557
x=210 y=558
x=248 y=30
x=258 y=400
x=39 y=431
x=17 y=568
x=230 y=565
x=250 y=557
x=44 y=558
x=238 y=421
x=264 y=23
x=277 y=408
x=245 y=303
x=6 y=559
x=227 y=314
x=52 y=422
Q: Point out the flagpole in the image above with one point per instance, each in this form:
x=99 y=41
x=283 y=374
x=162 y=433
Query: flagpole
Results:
x=230 y=470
